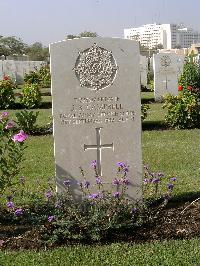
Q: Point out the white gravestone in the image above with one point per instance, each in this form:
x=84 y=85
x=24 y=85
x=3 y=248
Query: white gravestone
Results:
x=167 y=68
x=96 y=111
x=143 y=70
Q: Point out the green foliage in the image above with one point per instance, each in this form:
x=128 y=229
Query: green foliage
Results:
x=190 y=76
x=26 y=120
x=31 y=96
x=7 y=98
x=11 y=45
x=11 y=152
x=183 y=110
x=37 y=52
x=45 y=76
x=82 y=34
x=32 y=78
x=144 y=109
x=42 y=77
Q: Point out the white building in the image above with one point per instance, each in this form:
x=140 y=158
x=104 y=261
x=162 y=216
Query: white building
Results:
x=168 y=35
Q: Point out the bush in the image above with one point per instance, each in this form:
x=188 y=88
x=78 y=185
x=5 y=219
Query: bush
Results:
x=32 y=78
x=183 y=110
x=190 y=76
x=7 y=98
x=42 y=77
x=144 y=109
x=11 y=152
x=26 y=120
x=31 y=96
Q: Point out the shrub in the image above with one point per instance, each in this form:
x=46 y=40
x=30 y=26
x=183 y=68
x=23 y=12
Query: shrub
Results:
x=11 y=151
x=45 y=76
x=7 y=98
x=41 y=77
x=32 y=78
x=144 y=109
x=190 y=76
x=26 y=120
x=31 y=96
x=183 y=110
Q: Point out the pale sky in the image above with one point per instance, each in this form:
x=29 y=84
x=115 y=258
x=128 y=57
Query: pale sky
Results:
x=49 y=21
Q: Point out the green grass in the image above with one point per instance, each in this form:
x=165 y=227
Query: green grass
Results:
x=185 y=252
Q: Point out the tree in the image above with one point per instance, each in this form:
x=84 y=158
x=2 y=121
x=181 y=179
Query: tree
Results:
x=11 y=45
x=88 y=34
x=82 y=34
x=37 y=52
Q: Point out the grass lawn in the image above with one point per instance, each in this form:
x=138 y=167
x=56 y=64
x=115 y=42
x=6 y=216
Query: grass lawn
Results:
x=171 y=253
x=175 y=152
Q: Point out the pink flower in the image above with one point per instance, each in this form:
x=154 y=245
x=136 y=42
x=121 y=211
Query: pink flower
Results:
x=20 y=137
x=4 y=115
x=9 y=125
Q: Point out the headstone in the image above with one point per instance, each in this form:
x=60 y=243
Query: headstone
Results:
x=167 y=68
x=9 y=69
x=1 y=70
x=96 y=111
x=143 y=70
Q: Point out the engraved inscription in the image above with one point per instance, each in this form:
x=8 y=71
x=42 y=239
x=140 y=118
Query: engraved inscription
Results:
x=96 y=110
x=98 y=147
x=95 y=68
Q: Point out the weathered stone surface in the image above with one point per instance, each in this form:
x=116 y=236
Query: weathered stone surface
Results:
x=96 y=111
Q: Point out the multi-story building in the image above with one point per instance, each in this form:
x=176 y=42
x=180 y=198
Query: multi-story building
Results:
x=167 y=35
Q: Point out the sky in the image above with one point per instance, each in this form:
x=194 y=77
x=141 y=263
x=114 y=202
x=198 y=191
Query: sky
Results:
x=49 y=21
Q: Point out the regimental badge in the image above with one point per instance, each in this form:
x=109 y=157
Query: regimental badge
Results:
x=165 y=61
x=95 y=68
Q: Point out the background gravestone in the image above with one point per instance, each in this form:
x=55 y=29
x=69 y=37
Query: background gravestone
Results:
x=167 y=68
x=96 y=110
x=143 y=70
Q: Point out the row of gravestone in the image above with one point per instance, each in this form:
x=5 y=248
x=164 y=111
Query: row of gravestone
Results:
x=17 y=69
x=97 y=110
x=167 y=68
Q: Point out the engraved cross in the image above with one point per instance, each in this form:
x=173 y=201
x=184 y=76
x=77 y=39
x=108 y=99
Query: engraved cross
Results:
x=98 y=147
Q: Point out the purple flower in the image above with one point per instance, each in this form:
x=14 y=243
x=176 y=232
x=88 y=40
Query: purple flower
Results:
x=170 y=186
x=125 y=181
x=160 y=174
x=49 y=194
x=126 y=169
x=121 y=164
x=4 y=114
x=20 y=137
x=146 y=181
x=51 y=218
x=93 y=196
x=155 y=180
x=66 y=182
x=57 y=205
x=1 y=242
x=87 y=184
x=9 y=125
x=173 y=179
x=99 y=180
x=10 y=204
x=19 y=212
x=94 y=164
x=116 y=194
x=116 y=182
x=134 y=210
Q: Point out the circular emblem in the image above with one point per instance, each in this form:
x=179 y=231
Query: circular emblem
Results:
x=95 y=68
x=165 y=61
